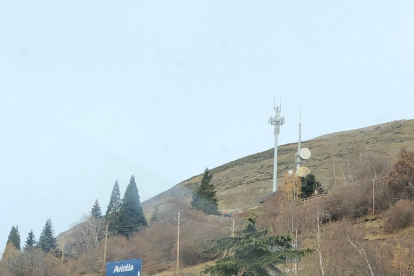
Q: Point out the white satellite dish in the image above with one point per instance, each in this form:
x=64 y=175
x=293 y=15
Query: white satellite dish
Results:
x=305 y=153
x=290 y=172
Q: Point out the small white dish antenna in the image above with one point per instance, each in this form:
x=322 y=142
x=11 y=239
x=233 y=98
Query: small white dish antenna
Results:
x=290 y=172
x=305 y=153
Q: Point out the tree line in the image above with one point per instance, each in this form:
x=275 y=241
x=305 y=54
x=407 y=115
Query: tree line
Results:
x=124 y=217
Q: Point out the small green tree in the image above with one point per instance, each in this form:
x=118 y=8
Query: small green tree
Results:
x=310 y=186
x=204 y=198
x=114 y=206
x=30 y=242
x=96 y=210
x=254 y=252
x=47 y=240
x=154 y=216
x=14 y=237
x=131 y=216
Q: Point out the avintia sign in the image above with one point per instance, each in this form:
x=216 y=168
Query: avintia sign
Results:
x=124 y=268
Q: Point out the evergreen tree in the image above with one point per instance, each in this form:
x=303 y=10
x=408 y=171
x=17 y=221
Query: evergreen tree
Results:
x=310 y=186
x=96 y=210
x=30 y=242
x=114 y=206
x=254 y=252
x=14 y=237
x=47 y=240
x=154 y=216
x=131 y=216
x=204 y=198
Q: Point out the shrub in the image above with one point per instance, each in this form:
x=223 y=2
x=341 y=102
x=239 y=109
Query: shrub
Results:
x=399 y=216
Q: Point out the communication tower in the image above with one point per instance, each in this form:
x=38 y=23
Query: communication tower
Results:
x=276 y=121
x=302 y=153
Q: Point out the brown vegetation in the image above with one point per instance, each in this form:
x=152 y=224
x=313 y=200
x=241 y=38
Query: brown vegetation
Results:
x=336 y=225
x=399 y=216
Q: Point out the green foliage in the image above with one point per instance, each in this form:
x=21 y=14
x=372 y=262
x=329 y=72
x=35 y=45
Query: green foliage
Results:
x=204 y=198
x=96 y=210
x=253 y=252
x=310 y=185
x=47 y=240
x=30 y=242
x=14 y=237
x=131 y=216
x=154 y=216
x=114 y=206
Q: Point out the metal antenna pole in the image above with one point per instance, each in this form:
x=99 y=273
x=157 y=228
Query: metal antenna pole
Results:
x=276 y=121
x=298 y=158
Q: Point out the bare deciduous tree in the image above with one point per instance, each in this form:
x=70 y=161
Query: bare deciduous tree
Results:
x=92 y=230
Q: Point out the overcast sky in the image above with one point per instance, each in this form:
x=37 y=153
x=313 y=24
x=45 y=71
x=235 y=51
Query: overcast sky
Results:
x=94 y=91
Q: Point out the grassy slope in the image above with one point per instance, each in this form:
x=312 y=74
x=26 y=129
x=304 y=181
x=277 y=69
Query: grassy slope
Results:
x=252 y=175
x=242 y=182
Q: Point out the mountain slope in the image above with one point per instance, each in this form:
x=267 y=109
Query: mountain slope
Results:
x=242 y=182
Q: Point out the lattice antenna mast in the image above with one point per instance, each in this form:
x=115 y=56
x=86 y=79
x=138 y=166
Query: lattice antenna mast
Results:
x=299 y=160
x=276 y=121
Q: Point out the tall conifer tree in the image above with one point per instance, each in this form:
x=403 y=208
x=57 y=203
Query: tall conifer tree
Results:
x=30 y=242
x=114 y=206
x=154 y=216
x=204 y=198
x=96 y=210
x=131 y=217
x=14 y=237
x=254 y=252
x=47 y=240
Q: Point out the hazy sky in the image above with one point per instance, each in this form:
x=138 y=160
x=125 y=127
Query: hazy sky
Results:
x=94 y=91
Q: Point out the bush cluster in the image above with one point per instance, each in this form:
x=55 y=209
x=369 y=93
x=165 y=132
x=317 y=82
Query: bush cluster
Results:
x=399 y=216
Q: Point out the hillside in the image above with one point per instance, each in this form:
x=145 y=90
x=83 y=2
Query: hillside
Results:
x=346 y=214
x=252 y=175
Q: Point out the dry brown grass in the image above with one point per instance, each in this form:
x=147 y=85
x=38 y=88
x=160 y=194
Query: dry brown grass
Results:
x=252 y=175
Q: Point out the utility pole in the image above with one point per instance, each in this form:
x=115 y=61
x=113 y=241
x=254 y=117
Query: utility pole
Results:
x=373 y=196
x=63 y=249
x=232 y=230
x=276 y=121
x=296 y=247
x=179 y=220
x=106 y=241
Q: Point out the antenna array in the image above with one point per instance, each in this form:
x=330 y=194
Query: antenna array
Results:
x=276 y=121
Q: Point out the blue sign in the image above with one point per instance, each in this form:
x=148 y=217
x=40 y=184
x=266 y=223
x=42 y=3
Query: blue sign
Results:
x=124 y=268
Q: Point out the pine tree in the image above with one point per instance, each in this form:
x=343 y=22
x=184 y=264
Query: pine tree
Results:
x=47 y=240
x=14 y=237
x=131 y=216
x=114 y=206
x=30 y=242
x=154 y=216
x=204 y=198
x=310 y=186
x=254 y=252
x=96 y=210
